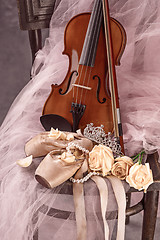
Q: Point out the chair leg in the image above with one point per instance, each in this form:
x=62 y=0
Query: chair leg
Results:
x=150 y=214
x=128 y=202
x=35 y=237
x=35 y=220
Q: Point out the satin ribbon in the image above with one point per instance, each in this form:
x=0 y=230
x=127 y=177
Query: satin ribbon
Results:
x=120 y=196
x=78 y=196
x=121 y=201
x=103 y=190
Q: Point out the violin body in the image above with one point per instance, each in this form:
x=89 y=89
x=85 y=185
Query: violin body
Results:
x=95 y=95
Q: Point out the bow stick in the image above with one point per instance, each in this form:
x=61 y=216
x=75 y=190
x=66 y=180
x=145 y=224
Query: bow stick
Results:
x=112 y=77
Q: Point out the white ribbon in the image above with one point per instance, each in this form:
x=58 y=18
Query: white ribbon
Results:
x=103 y=190
x=121 y=201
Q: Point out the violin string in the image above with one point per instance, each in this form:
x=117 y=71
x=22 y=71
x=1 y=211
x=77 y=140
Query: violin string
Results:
x=88 y=80
x=94 y=37
x=79 y=79
x=99 y=14
x=79 y=75
x=96 y=18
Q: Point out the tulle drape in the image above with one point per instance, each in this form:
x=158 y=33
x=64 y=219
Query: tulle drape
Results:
x=138 y=81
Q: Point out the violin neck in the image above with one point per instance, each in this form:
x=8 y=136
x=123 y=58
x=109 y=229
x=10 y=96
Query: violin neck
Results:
x=91 y=40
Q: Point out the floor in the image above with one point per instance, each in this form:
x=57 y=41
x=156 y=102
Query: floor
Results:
x=15 y=64
x=133 y=230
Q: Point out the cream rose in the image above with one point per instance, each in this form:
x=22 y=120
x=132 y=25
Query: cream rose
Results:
x=55 y=133
x=67 y=157
x=140 y=176
x=121 y=167
x=69 y=137
x=101 y=159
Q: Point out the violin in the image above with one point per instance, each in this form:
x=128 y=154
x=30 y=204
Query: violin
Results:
x=94 y=44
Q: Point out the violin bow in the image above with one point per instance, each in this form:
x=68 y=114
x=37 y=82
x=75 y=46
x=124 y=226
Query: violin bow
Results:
x=112 y=76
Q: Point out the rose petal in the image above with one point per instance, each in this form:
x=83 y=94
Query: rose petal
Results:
x=25 y=162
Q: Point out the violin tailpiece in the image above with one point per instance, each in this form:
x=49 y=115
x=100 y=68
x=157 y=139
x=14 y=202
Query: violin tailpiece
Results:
x=77 y=111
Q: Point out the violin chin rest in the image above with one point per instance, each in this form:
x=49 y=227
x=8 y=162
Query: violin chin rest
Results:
x=49 y=121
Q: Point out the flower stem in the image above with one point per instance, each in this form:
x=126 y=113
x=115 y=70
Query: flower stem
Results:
x=140 y=156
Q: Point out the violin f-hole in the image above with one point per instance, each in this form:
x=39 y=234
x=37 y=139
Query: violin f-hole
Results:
x=69 y=83
x=98 y=90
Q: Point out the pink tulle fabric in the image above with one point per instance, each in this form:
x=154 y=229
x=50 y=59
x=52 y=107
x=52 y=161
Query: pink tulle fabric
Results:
x=138 y=82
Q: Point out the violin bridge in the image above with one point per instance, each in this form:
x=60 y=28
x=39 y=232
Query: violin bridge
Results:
x=81 y=86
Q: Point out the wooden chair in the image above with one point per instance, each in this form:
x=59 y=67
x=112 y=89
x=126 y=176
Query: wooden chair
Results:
x=35 y=15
